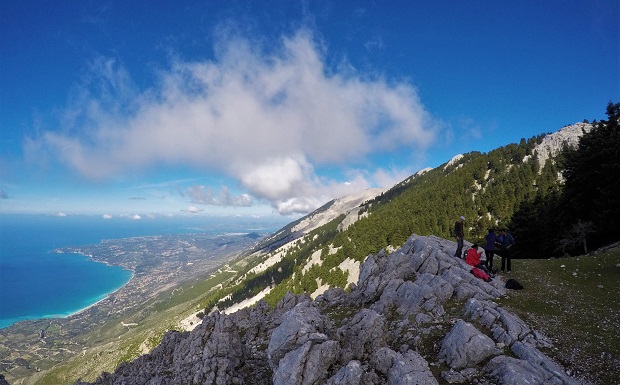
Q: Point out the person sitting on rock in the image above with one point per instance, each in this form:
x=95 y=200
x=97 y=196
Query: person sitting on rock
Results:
x=473 y=258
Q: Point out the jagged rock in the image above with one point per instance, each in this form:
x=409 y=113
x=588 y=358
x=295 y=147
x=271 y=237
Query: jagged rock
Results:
x=535 y=357
x=398 y=302
x=364 y=334
x=351 y=374
x=299 y=325
x=426 y=293
x=399 y=369
x=507 y=328
x=465 y=346
x=221 y=355
x=514 y=371
x=306 y=365
x=332 y=296
x=288 y=302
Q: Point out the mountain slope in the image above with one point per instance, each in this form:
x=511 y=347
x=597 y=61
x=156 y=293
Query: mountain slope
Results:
x=416 y=316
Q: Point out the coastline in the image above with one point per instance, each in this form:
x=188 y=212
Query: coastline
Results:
x=153 y=264
x=92 y=301
x=104 y=297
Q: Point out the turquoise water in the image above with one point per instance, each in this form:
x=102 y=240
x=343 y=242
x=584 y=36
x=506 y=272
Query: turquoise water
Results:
x=36 y=283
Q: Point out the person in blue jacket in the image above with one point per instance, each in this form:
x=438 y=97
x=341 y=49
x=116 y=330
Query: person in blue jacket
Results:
x=489 y=247
x=506 y=241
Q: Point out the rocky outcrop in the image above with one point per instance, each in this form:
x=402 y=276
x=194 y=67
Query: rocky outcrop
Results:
x=416 y=316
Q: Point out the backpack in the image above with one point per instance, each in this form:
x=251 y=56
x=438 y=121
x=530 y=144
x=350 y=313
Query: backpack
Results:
x=513 y=284
x=479 y=273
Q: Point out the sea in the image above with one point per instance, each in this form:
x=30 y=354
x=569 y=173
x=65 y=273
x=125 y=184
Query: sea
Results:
x=37 y=283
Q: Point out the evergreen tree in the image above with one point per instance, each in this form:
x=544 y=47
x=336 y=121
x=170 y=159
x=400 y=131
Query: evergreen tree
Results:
x=533 y=226
x=592 y=188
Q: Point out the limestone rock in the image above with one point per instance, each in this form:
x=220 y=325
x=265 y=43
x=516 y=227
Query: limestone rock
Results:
x=465 y=346
x=351 y=374
x=399 y=369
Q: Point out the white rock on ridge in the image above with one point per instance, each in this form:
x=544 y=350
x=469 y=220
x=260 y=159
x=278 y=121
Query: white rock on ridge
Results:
x=339 y=206
x=552 y=144
x=455 y=159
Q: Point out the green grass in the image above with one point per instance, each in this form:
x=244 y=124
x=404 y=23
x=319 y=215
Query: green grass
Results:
x=575 y=302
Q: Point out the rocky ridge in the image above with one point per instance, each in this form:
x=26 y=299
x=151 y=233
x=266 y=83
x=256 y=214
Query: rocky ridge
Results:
x=552 y=144
x=416 y=316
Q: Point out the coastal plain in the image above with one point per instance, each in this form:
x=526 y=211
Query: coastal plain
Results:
x=170 y=277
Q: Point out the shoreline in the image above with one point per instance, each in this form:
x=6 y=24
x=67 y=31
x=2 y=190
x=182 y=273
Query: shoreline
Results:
x=72 y=313
x=105 y=296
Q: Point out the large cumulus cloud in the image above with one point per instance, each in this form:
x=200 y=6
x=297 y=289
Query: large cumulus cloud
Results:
x=268 y=117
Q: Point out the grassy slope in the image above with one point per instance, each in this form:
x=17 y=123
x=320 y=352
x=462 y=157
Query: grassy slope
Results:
x=575 y=302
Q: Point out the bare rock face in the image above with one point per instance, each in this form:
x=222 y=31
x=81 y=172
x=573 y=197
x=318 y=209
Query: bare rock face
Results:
x=465 y=346
x=402 y=369
x=392 y=328
x=364 y=334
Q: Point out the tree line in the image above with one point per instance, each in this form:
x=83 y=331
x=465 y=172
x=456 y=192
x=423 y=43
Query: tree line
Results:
x=580 y=214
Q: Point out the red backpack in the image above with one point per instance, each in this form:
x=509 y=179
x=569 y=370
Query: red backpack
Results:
x=479 y=273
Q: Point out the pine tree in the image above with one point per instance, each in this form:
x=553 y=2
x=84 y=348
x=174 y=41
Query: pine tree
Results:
x=592 y=188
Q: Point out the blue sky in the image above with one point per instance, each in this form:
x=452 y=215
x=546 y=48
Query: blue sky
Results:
x=275 y=107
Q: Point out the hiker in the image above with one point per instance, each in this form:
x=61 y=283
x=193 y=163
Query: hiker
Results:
x=506 y=241
x=489 y=248
x=459 y=233
x=473 y=258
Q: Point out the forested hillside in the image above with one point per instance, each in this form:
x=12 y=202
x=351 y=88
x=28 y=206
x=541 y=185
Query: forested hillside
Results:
x=517 y=186
x=582 y=213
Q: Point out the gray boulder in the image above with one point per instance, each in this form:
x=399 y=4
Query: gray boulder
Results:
x=513 y=371
x=506 y=327
x=351 y=374
x=301 y=324
x=402 y=369
x=465 y=346
x=361 y=336
x=307 y=365
x=536 y=358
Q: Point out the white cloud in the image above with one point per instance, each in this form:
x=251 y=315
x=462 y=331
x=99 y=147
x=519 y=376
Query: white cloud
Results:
x=193 y=209
x=266 y=120
x=107 y=216
x=136 y=217
x=205 y=195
